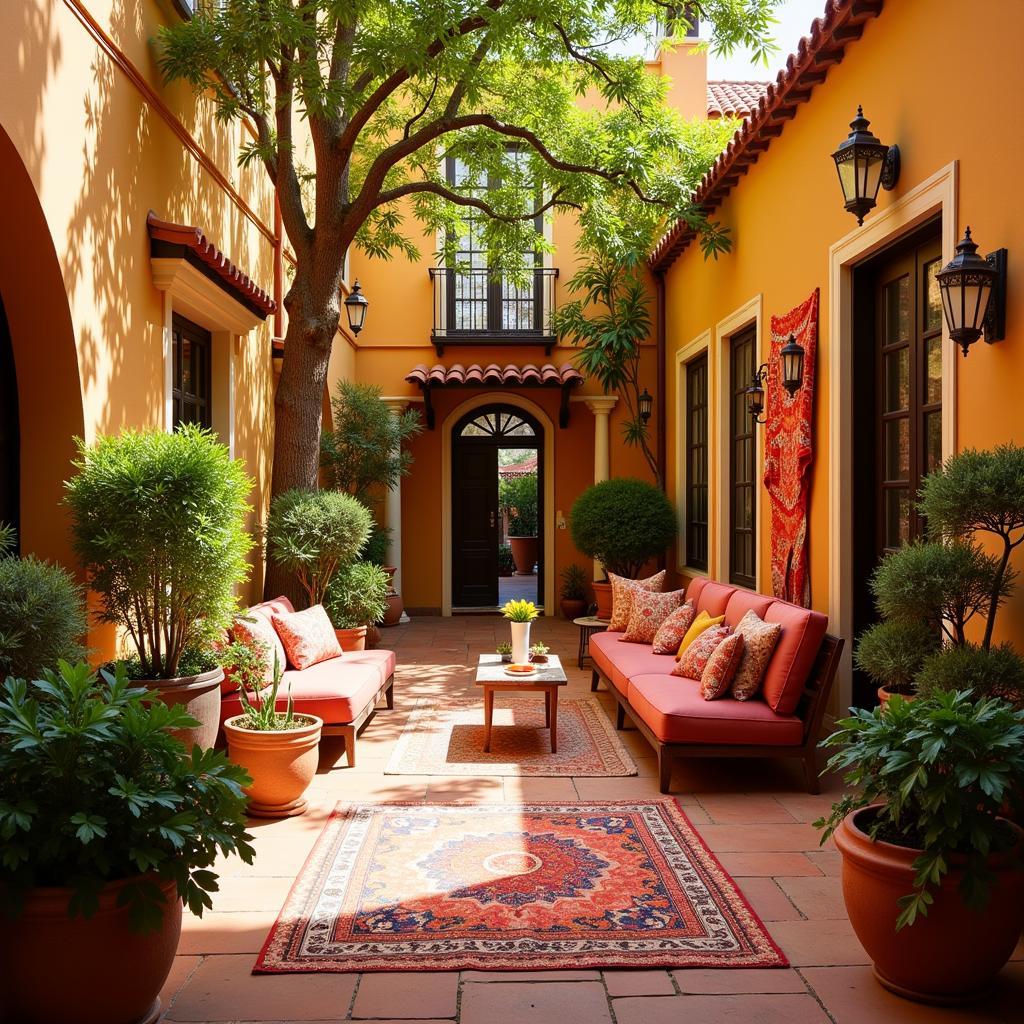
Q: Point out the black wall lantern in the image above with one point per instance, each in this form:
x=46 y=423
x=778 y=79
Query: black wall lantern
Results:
x=864 y=164
x=355 y=308
x=792 y=359
x=646 y=405
x=974 y=294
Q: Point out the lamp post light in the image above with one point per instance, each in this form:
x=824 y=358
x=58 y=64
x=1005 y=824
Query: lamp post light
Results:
x=355 y=308
x=864 y=164
x=973 y=292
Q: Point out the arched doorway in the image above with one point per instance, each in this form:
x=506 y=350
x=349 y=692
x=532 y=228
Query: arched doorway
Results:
x=496 y=447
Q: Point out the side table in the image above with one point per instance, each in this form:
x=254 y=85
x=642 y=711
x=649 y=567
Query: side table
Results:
x=589 y=625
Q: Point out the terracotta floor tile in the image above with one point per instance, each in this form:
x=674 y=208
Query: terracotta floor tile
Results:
x=768 y=900
x=816 y=898
x=537 y=1003
x=491 y=977
x=781 y=838
x=830 y=862
x=741 y=864
x=638 y=983
x=247 y=894
x=721 y=1009
x=469 y=789
x=407 y=995
x=740 y=980
x=744 y=809
x=181 y=969
x=226 y=933
x=634 y=788
x=819 y=943
x=223 y=988
x=519 y=789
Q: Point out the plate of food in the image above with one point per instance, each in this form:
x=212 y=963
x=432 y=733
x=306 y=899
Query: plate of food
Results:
x=520 y=670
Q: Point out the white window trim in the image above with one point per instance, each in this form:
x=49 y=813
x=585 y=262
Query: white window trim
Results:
x=684 y=356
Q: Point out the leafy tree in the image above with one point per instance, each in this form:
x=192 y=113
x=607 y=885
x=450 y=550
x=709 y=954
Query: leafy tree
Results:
x=387 y=87
x=517 y=495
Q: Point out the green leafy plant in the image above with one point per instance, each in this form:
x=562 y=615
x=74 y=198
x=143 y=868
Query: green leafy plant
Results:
x=623 y=522
x=996 y=671
x=376 y=550
x=517 y=497
x=504 y=649
x=315 y=533
x=357 y=595
x=42 y=613
x=892 y=652
x=520 y=611
x=539 y=651
x=506 y=563
x=94 y=789
x=367 y=444
x=159 y=524
x=943 y=768
x=245 y=663
x=574 y=583
x=259 y=712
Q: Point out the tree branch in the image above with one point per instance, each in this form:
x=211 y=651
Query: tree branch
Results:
x=458 y=199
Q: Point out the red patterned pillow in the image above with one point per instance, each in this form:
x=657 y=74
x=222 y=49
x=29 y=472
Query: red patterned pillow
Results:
x=696 y=657
x=759 y=640
x=622 y=596
x=256 y=629
x=720 y=670
x=308 y=637
x=671 y=632
x=648 y=612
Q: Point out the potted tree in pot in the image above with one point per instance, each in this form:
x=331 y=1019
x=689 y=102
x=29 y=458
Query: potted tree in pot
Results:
x=932 y=876
x=517 y=498
x=107 y=826
x=356 y=598
x=622 y=523
x=159 y=525
x=574 y=591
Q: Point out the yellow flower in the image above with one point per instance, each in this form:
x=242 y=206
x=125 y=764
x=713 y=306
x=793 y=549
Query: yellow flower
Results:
x=520 y=611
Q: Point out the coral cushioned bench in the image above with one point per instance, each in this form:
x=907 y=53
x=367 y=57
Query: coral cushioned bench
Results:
x=784 y=720
x=343 y=691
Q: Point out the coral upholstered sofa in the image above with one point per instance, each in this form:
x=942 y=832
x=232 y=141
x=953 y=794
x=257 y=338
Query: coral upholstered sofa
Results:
x=343 y=691
x=784 y=720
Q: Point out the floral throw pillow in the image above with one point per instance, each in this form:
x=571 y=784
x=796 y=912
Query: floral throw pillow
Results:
x=671 y=632
x=308 y=637
x=759 y=640
x=622 y=596
x=721 y=668
x=696 y=657
x=647 y=614
x=256 y=629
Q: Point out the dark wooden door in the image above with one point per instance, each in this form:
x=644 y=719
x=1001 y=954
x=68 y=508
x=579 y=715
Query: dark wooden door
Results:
x=475 y=526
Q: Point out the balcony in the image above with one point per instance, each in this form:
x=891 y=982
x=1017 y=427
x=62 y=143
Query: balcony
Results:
x=472 y=307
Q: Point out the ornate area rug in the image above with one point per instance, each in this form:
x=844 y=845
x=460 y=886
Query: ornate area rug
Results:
x=539 y=886
x=450 y=740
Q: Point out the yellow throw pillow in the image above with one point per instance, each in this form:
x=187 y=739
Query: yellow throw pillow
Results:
x=702 y=622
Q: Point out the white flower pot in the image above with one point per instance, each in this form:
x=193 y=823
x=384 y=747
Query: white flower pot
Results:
x=520 y=643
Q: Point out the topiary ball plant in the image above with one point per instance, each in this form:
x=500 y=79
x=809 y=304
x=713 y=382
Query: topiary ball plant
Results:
x=994 y=672
x=892 y=652
x=623 y=523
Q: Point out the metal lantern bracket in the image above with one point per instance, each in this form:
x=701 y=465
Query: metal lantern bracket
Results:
x=759 y=383
x=995 y=315
x=891 y=169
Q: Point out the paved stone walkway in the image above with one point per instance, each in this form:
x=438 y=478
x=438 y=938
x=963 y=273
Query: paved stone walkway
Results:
x=754 y=815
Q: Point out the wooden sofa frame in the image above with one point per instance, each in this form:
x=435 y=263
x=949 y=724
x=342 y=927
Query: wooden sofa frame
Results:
x=811 y=709
x=352 y=729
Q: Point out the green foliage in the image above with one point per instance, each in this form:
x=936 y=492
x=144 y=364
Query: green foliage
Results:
x=245 y=663
x=315 y=533
x=517 y=496
x=259 y=712
x=892 y=652
x=943 y=767
x=504 y=648
x=997 y=671
x=367 y=445
x=520 y=611
x=94 y=789
x=376 y=550
x=623 y=522
x=159 y=525
x=357 y=595
x=42 y=613
x=8 y=539
x=506 y=563
x=574 y=583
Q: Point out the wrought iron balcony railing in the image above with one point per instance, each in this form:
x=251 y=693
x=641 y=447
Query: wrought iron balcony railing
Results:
x=472 y=307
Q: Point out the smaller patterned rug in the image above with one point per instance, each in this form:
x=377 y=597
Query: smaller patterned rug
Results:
x=538 y=886
x=449 y=740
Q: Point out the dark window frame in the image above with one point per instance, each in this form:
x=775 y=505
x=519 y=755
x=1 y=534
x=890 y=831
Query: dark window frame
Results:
x=743 y=481
x=696 y=466
x=195 y=405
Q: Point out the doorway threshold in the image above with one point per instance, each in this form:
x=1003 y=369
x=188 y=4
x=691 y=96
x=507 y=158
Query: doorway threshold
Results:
x=494 y=610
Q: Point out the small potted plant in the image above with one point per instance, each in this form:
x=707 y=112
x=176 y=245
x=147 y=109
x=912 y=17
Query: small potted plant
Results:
x=107 y=826
x=356 y=597
x=506 y=563
x=892 y=653
x=932 y=876
x=622 y=523
x=574 y=591
x=539 y=653
x=505 y=650
x=520 y=614
x=278 y=749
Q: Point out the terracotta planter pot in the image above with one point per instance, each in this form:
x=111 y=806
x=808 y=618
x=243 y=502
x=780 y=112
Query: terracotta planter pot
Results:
x=603 y=597
x=524 y=554
x=282 y=765
x=885 y=695
x=90 y=971
x=950 y=956
x=353 y=639
x=393 y=614
x=372 y=636
x=572 y=608
x=200 y=696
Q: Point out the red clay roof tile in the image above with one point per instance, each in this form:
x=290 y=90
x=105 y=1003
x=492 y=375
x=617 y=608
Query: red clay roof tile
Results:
x=734 y=99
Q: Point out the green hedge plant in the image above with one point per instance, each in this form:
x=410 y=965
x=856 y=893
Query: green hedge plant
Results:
x=997 y=671
x=159 y=525
x=892 y=652
x=517 y=497
x=357 y=595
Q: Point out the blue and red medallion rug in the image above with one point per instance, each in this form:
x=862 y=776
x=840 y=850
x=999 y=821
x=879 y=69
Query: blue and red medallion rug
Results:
x=538 y=886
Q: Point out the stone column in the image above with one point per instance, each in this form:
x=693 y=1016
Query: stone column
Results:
x=393 y=510
x=601 y=406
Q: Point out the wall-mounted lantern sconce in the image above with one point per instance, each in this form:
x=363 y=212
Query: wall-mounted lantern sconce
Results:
x=355 y=308
x=974 y=294
x=646 y=406
x=864 y=164
x=792 y=359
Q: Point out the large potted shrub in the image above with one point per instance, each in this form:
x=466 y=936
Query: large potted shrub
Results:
x=356 y=597
x=159 y=525
x=517 y=499
x=42 y=613
x=932 y=876
x=107 y=825
x=623 y=523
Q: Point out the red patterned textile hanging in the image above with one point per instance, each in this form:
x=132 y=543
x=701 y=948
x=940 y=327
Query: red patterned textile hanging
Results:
x=789 y=452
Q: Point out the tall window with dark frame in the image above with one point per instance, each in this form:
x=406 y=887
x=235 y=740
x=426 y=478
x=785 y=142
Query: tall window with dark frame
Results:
x=191 y=385
x=697 y=463
x=742 y=462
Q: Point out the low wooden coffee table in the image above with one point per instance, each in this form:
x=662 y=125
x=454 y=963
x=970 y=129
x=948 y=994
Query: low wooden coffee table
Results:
x=491 y=675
